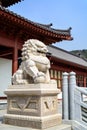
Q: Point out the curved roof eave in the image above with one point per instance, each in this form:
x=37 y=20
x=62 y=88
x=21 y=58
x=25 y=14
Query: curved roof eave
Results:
x=65 y=34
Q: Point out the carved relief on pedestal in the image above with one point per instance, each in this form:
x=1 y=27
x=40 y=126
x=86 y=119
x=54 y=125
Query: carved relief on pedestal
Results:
x=23 y=103
x=49 y=104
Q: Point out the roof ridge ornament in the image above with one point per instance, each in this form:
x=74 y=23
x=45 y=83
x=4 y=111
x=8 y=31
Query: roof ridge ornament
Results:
x=46 y=25
x=70 y=28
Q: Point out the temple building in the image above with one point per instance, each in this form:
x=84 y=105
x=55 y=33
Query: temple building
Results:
x=64 y=61
x=15 y=30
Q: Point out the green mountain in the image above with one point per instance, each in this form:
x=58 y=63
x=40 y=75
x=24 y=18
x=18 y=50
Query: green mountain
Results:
x=80 y=53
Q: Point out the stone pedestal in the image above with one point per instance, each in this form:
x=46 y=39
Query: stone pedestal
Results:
x=32 y=105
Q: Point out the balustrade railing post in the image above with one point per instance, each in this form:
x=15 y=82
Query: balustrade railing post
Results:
x=65 y=111
x=72 y=85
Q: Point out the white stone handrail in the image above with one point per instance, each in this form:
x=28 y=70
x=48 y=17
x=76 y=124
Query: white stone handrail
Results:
x=82 y=90
x=74 y=99
x=84 y=105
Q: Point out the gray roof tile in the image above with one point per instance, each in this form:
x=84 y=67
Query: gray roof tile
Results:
x=67 y=56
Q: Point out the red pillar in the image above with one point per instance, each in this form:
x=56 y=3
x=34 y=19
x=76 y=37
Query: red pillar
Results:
x=84 y=81
x=15 y=58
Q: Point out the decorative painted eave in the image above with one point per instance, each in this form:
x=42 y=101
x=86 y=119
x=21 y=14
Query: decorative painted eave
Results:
x=54 y=35
x=6 y=3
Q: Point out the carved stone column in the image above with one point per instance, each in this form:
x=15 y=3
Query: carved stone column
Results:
x=72 y=85
x=65 y=98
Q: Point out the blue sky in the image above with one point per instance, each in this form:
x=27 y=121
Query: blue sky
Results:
x=63 y=14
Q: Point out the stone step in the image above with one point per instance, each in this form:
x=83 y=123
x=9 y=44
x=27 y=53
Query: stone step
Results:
x=60 y=127
x=65 y=127
x=10 y=127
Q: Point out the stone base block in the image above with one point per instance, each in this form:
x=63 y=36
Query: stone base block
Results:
x=33 y=105
x=31 y=121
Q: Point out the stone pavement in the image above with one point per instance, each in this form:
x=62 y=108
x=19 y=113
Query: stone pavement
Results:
x=9 y=127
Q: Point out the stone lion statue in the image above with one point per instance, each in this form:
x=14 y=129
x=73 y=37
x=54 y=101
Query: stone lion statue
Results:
x=35 y=65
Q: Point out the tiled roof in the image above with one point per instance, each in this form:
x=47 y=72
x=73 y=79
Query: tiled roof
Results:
x=6 y=3
x=65 y=33
x=66 y=56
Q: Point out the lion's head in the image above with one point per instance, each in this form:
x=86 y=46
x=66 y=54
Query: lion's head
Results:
x=31 y=46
